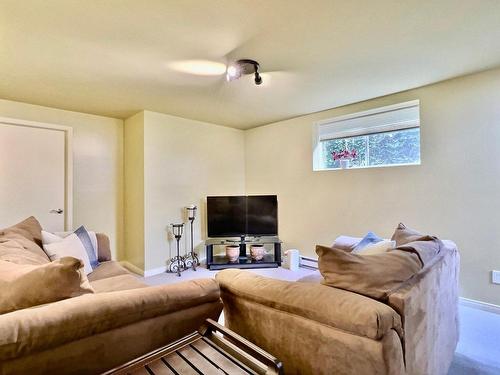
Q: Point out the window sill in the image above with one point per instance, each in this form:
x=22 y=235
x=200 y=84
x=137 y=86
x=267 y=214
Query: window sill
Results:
x=367 y=167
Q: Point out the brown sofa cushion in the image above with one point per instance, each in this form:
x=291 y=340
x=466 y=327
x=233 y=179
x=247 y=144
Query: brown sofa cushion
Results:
x=332 y=307
x=115 y=283
x=103 y=247
x=374 y=276
x=106 y=270
x=48 y=326
x=111 y=276
x=314 y=278
x=101 y=351
x=24 y=285
x=21 y=243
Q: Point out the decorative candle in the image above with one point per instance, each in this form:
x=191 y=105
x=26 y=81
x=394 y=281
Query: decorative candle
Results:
x=191 y=211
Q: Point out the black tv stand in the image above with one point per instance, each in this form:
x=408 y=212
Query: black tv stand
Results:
x=254 y=240
x=219 y=262
x=242 y=240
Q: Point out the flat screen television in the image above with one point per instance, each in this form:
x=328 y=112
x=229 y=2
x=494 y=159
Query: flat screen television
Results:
x=235 y=216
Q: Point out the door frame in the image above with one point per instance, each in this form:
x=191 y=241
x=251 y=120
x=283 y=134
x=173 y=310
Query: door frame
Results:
x=68 y=161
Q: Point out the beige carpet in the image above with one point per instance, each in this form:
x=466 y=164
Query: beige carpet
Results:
x=478 y=352
x=202 y=272
x=463 y=365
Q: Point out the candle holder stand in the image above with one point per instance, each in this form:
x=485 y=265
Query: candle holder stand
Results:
x=191 y=258
x=178 y=262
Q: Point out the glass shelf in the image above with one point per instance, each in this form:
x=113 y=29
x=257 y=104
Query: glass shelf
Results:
x=222 y=262
x=251 y=241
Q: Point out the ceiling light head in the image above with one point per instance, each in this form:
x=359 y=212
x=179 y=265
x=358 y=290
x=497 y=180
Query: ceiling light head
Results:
x=233 y=72
x=241 y=67
x=258 y=78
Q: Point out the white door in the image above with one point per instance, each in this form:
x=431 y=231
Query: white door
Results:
x=32 y=175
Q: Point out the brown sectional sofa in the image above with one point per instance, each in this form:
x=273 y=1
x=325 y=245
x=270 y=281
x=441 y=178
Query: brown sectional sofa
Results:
x=92 y=333
x=318 y=329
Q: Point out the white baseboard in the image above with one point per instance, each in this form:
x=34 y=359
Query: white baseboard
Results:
x=132 y=268
x=139 y=271
x=480 y=305
x=155 y=271
x=158 y=270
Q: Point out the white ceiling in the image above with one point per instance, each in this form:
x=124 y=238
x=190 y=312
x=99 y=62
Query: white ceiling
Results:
x=115 y=57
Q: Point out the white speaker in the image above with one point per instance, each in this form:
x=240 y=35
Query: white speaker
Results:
x=292 y=259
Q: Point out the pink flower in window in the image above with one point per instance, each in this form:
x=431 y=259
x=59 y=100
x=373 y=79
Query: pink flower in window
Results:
x=345 y=154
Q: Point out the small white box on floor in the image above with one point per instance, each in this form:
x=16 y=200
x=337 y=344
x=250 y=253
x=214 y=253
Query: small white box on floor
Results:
x=292 y=259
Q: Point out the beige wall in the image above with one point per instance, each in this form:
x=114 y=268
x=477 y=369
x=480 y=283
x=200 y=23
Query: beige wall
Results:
x=97 y=165
x=185 y=161
x=454 y=194
x=134 y=189
x=133 y=178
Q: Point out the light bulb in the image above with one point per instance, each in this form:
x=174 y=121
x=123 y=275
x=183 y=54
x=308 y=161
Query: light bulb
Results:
x=232 y=73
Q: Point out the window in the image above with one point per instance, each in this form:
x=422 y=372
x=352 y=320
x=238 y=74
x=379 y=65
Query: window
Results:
x=387 y=136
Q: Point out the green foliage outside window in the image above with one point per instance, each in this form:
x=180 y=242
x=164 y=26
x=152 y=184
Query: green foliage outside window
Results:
x=389 y=148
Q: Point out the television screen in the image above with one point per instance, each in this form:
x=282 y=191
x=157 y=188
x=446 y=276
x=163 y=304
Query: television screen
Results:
x=233 y=216
x=226 y=216
x=262 y=215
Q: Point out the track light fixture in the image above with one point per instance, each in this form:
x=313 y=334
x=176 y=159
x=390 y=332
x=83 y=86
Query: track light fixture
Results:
x=244 y=66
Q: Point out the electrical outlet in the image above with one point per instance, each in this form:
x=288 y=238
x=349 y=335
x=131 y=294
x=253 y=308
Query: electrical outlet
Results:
x=495 y=277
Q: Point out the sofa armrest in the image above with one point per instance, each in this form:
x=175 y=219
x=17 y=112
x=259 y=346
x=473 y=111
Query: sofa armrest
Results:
x=330 y=306
x=39 y=328
x=427 y=302
x=103 y=247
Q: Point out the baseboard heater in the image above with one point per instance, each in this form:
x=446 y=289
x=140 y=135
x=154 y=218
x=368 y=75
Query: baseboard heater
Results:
x=309 y=263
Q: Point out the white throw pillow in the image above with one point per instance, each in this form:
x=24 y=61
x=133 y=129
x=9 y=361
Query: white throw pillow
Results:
x=92 y=235
x=377 y=248
x=70 y=246
x=48 y=237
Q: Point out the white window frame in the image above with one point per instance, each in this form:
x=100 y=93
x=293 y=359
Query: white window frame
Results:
x=318 y=160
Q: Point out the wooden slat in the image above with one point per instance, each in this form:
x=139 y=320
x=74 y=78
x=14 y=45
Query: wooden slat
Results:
x=160 y=368
x=179 y=365
x=242 y=358
x=139 y=371
x=155 y=354
x=219 y=359
x=200 y=362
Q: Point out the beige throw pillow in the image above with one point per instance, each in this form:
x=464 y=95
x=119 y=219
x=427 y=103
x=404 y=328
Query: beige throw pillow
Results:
x=403 y=235
x=426 y=247
x=21 y=243
x=25 y=285
x=17 y=249
x=29 y=228
x=374 y=275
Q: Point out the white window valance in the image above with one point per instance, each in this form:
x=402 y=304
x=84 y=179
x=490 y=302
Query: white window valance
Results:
x=385 y=119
